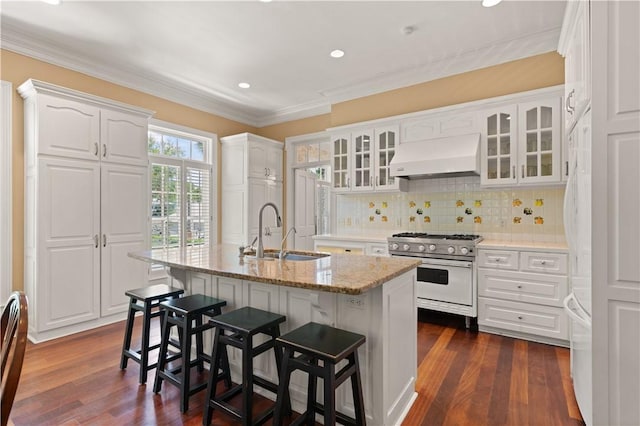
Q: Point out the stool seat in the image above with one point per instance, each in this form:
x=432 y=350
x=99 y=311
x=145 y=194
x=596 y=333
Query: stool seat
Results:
x=322 y=341
x=183 y=313
x=147 y=301
x=314 y=343
x=242 y=325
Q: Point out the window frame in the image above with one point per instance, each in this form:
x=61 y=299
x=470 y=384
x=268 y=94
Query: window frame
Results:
x=210 y=160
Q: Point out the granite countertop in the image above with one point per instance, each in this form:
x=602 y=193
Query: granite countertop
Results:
x=337 y=273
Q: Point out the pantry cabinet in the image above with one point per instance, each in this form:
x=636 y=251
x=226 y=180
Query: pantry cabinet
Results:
x=86 y=208
x=360 y=160
x=520 y=294
x=251 y=169
x=522 y=143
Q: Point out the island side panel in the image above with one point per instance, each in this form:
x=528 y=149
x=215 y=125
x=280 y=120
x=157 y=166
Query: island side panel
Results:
x=387 y=316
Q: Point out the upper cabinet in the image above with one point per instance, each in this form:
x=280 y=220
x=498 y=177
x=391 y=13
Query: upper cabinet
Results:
x=521 y=143
x=574 y=46
x=264 y=160
x=73 y=128
x=360 y=160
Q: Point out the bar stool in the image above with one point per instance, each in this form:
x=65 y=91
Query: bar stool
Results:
x=243 y=325
x=150 y=298
x=318 y=342
x=183 y=313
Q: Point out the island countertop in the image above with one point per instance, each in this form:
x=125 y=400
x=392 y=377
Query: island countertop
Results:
x=337 y=273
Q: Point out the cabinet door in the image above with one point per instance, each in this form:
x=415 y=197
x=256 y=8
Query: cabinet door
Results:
x=257 y=160
x=125 y=209
x=539 y=139
x=68 y=128
x=67 y=289
x=386 y=142
x=362 y=160
x=577 y=61
x=499 y=152
x=260 y=192
x=340 y=155
x=123 y=137
x=274 y=163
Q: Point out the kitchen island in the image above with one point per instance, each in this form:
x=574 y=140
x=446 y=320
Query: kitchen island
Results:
x=373 y=296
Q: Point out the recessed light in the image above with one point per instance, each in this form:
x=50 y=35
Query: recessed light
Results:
x=337 y=53
x=490 y=3
x=265 y=1
x=244 y=85
x=53 y=2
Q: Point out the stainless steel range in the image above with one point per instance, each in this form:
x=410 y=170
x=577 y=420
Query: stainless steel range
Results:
x=447 y=279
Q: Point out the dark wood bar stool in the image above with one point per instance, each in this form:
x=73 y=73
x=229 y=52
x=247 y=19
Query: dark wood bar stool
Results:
x=243 y=325
x=318 y=342
x=147 y=301
x=186 y=313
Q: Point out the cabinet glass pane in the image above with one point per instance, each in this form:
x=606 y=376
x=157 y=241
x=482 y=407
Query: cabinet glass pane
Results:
x=505 y=145
x=532 y=119
x=358 y=161
x=391 y=139
x=532 y=165
x=336 y=163
x=383 y=179
x=366 y=143
x=359 y=144
x=336 y=146
x=383 y=141
x=366 y=178
x=358 y=177
x=343 y=165
x=532 y=142
x=325 y=149
x=546 y=168
x=383 y=159
x=505 y=123
x=343 y=143
x=492 y=124
x=336 y=179
x=546 y=143
x=492 y=168
x=366 y=160
x=505 y=166
x=492 y=145
x=545 y=117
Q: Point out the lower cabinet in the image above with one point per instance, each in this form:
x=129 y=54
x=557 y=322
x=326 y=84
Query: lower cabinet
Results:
x=520 y=294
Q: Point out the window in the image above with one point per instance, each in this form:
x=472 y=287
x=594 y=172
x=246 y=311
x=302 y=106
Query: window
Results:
x=182 y=187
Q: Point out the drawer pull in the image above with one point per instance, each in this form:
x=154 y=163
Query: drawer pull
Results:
x=543 y=262
x=519 y=317
x=519 y=286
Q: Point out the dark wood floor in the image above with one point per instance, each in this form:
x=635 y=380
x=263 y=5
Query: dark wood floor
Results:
x=464 y=378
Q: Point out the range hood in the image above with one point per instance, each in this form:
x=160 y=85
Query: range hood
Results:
x=450 y=156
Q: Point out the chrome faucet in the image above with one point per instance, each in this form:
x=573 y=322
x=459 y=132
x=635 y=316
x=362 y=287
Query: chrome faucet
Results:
x=260 y=250
x=282 y=250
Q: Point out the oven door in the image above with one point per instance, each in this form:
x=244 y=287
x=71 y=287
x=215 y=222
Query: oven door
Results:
x=446 y=281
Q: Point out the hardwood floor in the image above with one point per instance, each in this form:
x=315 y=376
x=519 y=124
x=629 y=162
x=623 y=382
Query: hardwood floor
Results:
x=464 y=378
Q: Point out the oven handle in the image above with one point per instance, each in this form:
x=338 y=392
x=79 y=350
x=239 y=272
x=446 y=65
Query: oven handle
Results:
x=447 y=263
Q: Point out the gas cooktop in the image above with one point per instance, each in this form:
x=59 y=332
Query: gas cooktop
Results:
x=422 y=244
x=460 y=237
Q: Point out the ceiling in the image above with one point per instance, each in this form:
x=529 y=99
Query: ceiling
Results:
x=197 y=52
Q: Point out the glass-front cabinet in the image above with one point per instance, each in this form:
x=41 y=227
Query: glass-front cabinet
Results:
x=361 y=160
x=340 y=154
x=539 y=135
x=499 y=150
x=522 y=143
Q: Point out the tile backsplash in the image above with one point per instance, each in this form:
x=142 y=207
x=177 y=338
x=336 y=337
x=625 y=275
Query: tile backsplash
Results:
x=456 y=205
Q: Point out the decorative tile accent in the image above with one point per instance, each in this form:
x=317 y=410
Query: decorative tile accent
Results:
x=371 y=204
x=384 y=219
x=377 y=211
x=516 y=202
x=419 y=211
x=427 y=204
x=412 y=218
x=527 y=211
x=412 y=204
x=427 y=219
x=459 y=219
x=468 y=211
x=384 y=205
x=477 y=219
x=478 y=203
x=372 y=218
x=517 y=219
x=539 y=202
x=538 y=220
x=459 y=203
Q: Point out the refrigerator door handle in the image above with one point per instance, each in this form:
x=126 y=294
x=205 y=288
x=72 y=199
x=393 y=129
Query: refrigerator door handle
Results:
x=576 y=312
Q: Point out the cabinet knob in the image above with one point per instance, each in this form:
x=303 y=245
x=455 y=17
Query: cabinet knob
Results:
x=519 y=317
x=519 y=286
x=104 y=150
x=95 y=149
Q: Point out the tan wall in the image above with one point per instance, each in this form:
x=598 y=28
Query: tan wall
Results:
x=17 y=69
x=517 y=76
x=512 y=77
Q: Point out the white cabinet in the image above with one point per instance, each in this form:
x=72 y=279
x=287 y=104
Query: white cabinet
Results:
x=86 y=207
x=360 y=160
x=521 y=143
x=574 y=45
x=520 y=294
x=251 y=168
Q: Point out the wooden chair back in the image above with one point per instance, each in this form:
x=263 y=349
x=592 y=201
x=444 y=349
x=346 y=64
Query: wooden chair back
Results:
x=15 y=322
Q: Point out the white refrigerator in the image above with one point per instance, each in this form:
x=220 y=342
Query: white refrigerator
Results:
x=577 y=223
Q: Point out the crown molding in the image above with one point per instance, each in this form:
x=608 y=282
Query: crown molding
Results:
x=506 y=51
x=14 y=38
